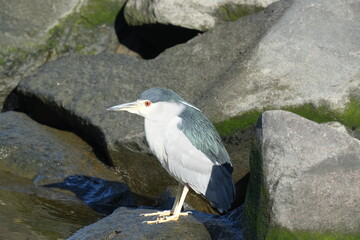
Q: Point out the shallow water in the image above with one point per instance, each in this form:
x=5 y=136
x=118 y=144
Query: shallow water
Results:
x=30 y=212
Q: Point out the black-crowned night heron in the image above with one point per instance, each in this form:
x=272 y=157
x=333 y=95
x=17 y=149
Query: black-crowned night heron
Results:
x=187 y=146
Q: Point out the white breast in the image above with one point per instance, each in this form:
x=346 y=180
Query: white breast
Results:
x=186 y=163
x=155 y=134
x=177 y=155
x=162 y=119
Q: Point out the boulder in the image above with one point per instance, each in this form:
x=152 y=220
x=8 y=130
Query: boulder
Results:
x=37 y=163
x=305 y=180
x=54 y=158
x=310 y=55
x=32 y=33
x=50 y=156
x=126 y=223
x=201 y=15
x=24 y=23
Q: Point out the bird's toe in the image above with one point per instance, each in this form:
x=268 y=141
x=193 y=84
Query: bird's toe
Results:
x=160 y=214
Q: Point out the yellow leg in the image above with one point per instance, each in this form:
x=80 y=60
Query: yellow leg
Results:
x=175 y=212
x=168 y=212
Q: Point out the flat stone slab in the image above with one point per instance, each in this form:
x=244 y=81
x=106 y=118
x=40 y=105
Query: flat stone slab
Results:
x=126 y=223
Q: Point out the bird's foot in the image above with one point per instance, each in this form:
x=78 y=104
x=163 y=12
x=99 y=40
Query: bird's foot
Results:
x=164 y=216
x=160 y=214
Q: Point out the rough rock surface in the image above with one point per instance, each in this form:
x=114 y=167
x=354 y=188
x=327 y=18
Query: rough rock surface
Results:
x=33 y=155
x=61 y=160
x=50 y=156
x=126 y=223
x=311 y=55
x=308 y=175
x=32 y=33
x=23 y=23
x=201 y=15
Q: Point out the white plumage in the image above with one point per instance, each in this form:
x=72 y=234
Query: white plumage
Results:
x=191 y=167
x=187 y=146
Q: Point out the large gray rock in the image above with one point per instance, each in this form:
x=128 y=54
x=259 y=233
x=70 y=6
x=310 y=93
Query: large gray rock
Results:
x=25 y=23
x=37 y=163
x=305 y=178
x=310 y=55
x=43 y=154
x=61 y=160
x=32 y=33
x=201 y=15
x=126 y=223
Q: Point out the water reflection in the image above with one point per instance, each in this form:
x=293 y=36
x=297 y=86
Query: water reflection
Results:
x=101 y=195
x=25 y=216
x=30 y=212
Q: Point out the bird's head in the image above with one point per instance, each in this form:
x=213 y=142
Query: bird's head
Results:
x=154 y=103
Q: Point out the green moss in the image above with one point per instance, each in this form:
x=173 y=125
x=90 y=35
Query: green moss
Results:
x=231 y=12
x=17 y=54
x=74 y=33
x=243 y=121
x=91 y=52
x=98 y=12
x=79 y=47
x=285 y=234
x=75 y=25
x=319 y=114
x=257 y=199
x=350 y=116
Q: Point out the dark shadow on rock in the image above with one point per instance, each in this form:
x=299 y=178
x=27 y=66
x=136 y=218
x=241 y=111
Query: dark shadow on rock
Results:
x=152 y=39
x=11 y=102
x=101 y=195
x=253 y=216
x=52 y=115
x=240 y=189
x=227 y=226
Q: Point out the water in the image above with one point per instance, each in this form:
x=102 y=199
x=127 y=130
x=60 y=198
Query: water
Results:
x=31 y=212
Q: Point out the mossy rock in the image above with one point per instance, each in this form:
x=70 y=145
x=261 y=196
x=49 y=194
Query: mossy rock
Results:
x=285 y=234
x=349 y=116
x=258 y=203
x=231 y=12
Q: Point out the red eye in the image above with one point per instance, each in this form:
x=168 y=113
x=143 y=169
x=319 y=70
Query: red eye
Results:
x=147 y=103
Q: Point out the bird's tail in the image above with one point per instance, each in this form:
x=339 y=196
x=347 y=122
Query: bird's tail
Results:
x=221 y=191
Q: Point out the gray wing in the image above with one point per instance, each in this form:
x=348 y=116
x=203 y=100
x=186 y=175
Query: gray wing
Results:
x=203 y=135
